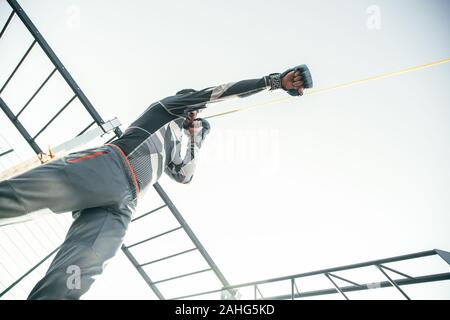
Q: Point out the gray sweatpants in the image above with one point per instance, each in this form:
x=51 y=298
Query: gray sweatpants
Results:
x=97 y=187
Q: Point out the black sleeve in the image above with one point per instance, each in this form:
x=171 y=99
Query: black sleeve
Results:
x=182 y=103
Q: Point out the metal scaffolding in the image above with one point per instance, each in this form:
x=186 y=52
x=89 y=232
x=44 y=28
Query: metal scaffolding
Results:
x=293 y=281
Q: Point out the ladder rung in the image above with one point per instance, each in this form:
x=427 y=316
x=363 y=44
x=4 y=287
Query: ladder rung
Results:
x=6 y=24
x=6 y=152
x=168 y=257
x=55 y=116
x=182 y=276
x=146 y=214
x=18 y=66
x=36 y=92
x=86 y=129
x=154 y=237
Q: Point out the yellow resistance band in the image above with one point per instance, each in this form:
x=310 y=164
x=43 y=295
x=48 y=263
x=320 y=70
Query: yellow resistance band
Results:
x=338 y=86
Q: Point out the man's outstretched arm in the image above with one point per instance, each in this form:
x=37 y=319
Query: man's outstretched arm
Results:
x=182 y=169
x=292 y=81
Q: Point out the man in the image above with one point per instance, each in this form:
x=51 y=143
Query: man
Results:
x=101 y=186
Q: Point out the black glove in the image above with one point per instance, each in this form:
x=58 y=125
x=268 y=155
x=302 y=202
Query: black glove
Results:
x=305 y=74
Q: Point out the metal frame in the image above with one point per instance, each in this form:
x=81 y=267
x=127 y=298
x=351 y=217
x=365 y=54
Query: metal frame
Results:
x=28 y=272
x=84 y=134
x=6 y=152
x=197 y=246
x=19 y=126
x=191 y=234
x=58 y=66
x=328 y=273
x=17 y=9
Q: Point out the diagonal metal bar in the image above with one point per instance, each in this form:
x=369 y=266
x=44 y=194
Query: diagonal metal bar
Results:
x=150 y=212
x=256 y=288
x=182 y=275
x=36 y=92
x=396 y=271
x=296 y=288
x=346 y=280
x=55 y=116
x=6 y=152
x=6 y=24
x=168 y=257
x=19 y=126
x=392 y=282
x=292 y=289
x=18 y=66
x=191 y=234
x=444 y=255
x=154 y=237
x=143 y=274
x=336 y=286
x=28 y=272
x=86 y=129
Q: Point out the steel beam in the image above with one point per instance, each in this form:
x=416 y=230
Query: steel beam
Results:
x=19 y=126
x=143 y=274
x=191 y=234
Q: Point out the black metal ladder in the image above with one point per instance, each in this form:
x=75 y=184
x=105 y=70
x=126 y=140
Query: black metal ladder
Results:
x=196 y=245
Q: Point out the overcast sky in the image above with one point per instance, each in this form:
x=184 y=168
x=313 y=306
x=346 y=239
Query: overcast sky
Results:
x=324 y=180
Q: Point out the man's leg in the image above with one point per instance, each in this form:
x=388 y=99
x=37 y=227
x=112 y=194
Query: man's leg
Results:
x=93 y=239
x=85 y=179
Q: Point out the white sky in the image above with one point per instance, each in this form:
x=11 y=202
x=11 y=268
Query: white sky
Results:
x=326 y=180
